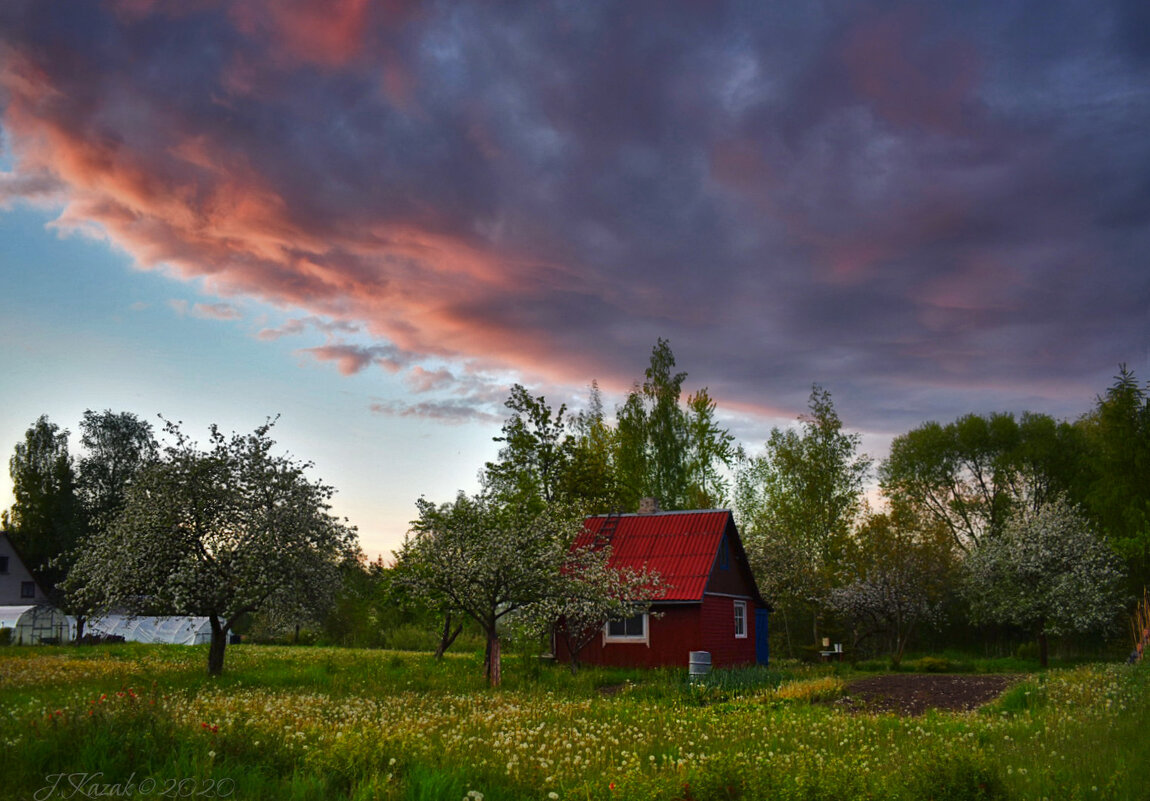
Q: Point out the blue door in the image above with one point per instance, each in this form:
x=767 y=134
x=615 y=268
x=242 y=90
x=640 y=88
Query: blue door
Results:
x=762 y=648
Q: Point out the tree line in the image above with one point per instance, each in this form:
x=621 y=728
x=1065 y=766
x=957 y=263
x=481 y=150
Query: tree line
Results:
x=997 y=519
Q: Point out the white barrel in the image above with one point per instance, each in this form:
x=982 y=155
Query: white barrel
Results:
x=699 y=663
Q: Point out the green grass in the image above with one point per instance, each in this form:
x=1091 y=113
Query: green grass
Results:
x=318 y=723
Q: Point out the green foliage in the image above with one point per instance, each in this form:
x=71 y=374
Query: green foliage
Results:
x=896 y=572
x=932 y=664
x=47 y=519
x=970 y=474
x=666 y=451
x=535 y=454
x=117 y=447
x=797 y=502
x=964 y=777
x=1118 y=432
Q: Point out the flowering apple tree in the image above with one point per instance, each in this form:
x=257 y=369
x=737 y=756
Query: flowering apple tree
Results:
x=218 y=533
x=1047 y=571
x=486 y=560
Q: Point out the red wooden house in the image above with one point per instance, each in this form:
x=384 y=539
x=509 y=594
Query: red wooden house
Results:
x=711 y=603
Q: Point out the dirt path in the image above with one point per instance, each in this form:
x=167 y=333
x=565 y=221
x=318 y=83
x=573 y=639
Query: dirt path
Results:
x=913 y=694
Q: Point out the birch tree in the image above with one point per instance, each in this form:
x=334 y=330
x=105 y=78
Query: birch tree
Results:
x=798 y=500
x=216 y=532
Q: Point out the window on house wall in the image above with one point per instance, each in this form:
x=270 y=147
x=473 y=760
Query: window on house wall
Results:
x=724 y=555
x=631 y=629
x=3 y=564
x=740 y=618
x=27 y=589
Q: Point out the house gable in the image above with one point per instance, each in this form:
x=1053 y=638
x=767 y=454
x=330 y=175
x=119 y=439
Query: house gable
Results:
x=731 y=573
x=18 y=587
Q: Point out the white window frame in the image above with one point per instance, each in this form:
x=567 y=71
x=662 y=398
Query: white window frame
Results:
x=608 y=637
x=741 y=606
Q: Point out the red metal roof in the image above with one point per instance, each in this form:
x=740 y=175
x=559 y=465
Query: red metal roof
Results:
x=680 y=546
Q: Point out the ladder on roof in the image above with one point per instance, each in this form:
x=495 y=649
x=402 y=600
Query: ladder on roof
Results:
x=606 y=531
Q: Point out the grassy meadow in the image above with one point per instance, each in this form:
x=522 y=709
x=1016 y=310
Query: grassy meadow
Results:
x=320 y=723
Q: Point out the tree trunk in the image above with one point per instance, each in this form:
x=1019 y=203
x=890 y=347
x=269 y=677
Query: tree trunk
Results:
x=219 y=643
x=1043 y=652
x=448 y=636
x=787 y=632
x=80 y=621
x=494 y=669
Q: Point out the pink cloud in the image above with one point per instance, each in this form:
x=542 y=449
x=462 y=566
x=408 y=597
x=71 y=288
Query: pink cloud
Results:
x=907 y=80
x=421 y=380
x=300 y=325
x=216 y=311
x=351 y=359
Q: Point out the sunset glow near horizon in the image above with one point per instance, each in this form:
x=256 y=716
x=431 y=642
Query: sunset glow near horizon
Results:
x=372 y=218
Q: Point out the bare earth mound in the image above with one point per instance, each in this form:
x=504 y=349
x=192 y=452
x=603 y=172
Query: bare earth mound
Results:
x=913 y=694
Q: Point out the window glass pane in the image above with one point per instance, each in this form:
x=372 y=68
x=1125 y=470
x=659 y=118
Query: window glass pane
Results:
x=27 y=589
x=630 y=627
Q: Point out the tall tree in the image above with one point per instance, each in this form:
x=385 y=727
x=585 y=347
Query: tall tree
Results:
x=1047 y=571
x=590 y=481
x=710 y=447
x=117 y=446
x=667 y=451
x=970 y=475
x=219 y=532
x=960 y=474
x=1118 y=433
x=536 y=449
x=798 y=500
x=47 y=519
x=485 y=559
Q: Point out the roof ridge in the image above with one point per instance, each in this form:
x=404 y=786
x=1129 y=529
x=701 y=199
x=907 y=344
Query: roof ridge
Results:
x=661 y=513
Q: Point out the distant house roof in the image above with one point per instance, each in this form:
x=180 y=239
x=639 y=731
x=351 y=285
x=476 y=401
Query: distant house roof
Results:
x=680 y=546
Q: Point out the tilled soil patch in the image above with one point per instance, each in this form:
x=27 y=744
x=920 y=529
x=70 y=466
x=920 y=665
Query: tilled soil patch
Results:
x=913 y=694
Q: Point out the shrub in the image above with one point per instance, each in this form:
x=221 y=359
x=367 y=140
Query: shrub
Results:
x=932 y=664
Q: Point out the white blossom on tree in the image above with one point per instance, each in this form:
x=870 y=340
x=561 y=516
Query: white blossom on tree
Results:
x=587 y=592
x=895 y=575
x=1047 y=571
x=219 y=533
x=485 y=560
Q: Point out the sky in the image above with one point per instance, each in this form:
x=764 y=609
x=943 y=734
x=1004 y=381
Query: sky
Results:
x=370 y=218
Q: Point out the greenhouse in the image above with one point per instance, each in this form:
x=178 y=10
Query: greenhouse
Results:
x=34 y=625
x=148 y=628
